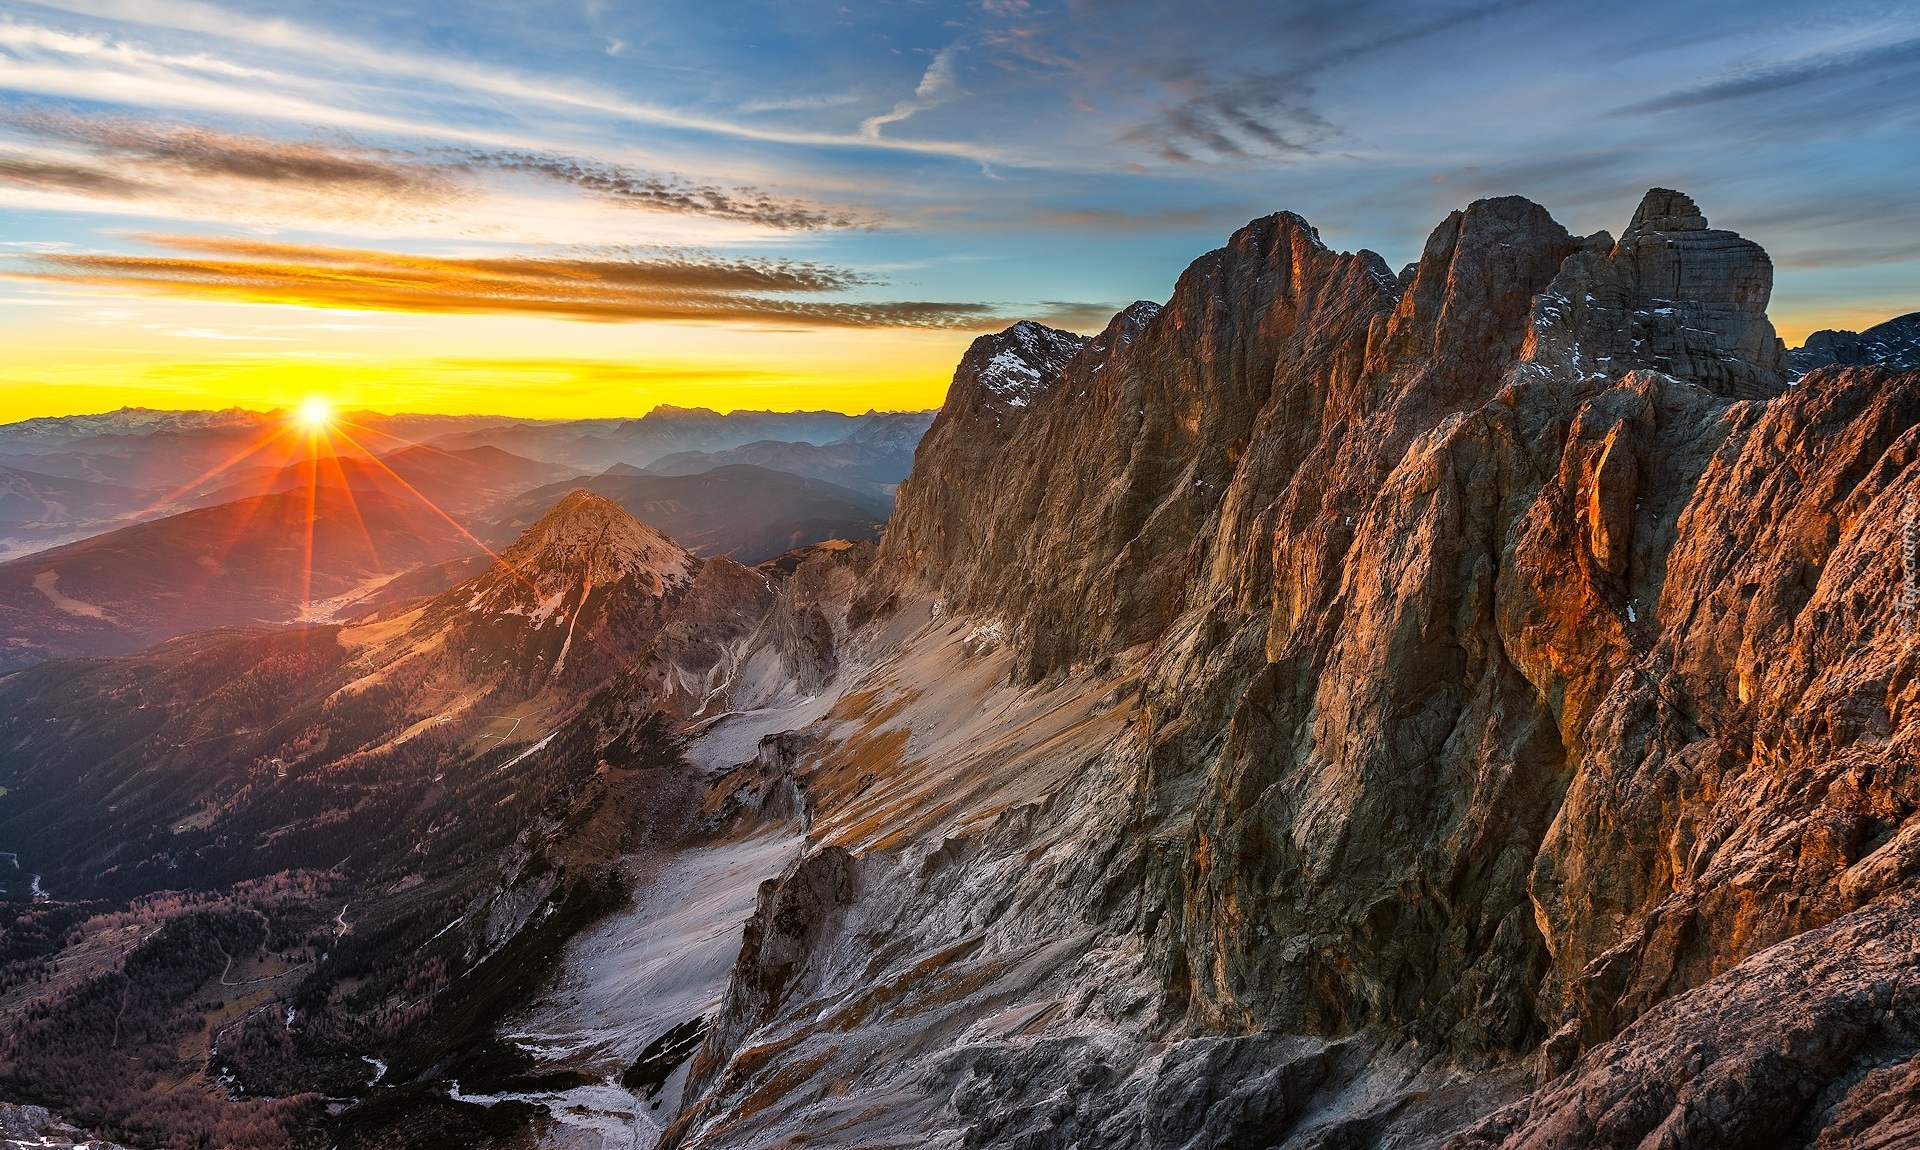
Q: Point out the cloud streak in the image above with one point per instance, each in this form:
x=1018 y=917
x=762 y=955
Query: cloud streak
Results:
x=937 y=86
x=1855 y=65
x=125 y=158
x=617 y=288
x=672 y=193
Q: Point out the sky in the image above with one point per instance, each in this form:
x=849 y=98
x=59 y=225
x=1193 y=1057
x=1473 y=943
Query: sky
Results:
x=589 y=207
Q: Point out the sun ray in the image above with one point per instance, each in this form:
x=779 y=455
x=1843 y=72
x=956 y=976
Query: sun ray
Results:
x=353 y=508
x=236 y=531
x=260 y=444
x=435 y=507
x=313 y=501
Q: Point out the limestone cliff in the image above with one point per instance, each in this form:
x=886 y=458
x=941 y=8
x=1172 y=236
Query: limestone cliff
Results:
x=1334 y=706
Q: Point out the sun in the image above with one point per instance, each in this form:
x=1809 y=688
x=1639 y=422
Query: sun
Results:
x=314 y=415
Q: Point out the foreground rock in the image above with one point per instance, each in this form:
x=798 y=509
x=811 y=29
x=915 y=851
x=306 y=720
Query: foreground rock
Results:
x=33 y=1128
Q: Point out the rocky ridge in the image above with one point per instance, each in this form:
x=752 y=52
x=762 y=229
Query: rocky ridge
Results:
x=1894 y=345
x=1333 y=706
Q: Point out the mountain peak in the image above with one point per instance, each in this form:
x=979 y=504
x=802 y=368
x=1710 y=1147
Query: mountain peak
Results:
x=592 y=537
x=1665 y=210
x=585 y=565
x=1013 y=367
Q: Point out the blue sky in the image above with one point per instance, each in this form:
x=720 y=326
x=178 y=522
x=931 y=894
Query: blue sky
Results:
x=830 y=199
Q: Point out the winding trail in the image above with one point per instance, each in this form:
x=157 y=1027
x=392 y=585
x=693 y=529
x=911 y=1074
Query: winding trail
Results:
x=250 y=981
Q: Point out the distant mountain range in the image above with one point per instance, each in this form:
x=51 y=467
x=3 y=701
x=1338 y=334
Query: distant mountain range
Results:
x=1893 y=344
x=460 y=482
x=65 y=479
x=595 y=445
x=37 y=509
x=864 y=467
x=747 y=513
x=221 y=541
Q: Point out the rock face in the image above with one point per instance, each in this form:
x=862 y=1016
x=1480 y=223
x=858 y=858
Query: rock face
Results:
x=1672 y=295
x=1363 y=703
x=1894 y=345
x=1798 y=1037
x=33 y=1128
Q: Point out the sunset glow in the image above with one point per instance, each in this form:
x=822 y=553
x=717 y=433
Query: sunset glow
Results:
x=594 y=210
x=316 y=415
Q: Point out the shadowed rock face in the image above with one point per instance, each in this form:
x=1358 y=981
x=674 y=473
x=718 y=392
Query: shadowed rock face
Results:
x=1509 y=705
x=1672 y=295
x=1894 y=345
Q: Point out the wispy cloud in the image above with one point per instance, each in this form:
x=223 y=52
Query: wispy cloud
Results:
x=1221 y=102
x=937 y=86
x=1233 y=118
x=126 y=158
x=1856 y=64
x=608 y=288
x=672 y=193
x=50 y=61
x=58 y=176
x=801 y=103
x=118 y=142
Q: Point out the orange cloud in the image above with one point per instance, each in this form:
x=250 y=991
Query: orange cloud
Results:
x=615 y=288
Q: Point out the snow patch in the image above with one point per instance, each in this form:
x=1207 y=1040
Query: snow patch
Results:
x=1030 y=357
x=1012 y=378
x=522 y=755
x=637 y=975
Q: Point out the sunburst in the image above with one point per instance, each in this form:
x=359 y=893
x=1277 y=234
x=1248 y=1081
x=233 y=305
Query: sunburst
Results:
x=315 y=415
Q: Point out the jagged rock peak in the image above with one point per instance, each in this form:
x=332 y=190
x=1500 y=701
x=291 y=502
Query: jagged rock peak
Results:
x=587 y=536
x=1665 y=210
x=1673 y=296
x=1457 y=305
x=1013 y=368
x=571 y=603
x=1126 y=324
